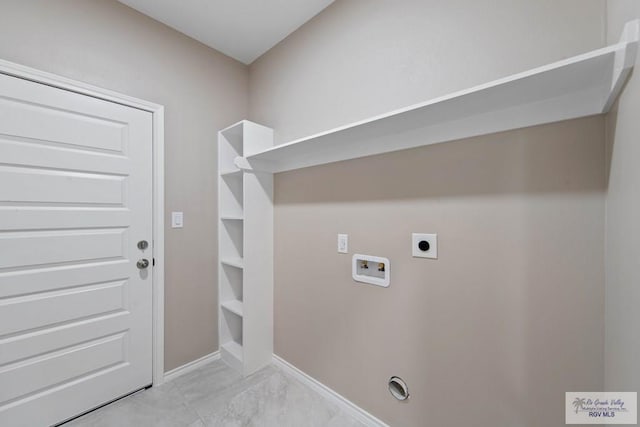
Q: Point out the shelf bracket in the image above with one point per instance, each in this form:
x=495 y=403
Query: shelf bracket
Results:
x=253 y=165
x=625 y=59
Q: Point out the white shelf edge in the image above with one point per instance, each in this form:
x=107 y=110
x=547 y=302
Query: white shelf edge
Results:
x=234 y=306
x=231 y=218
x=233 y=126
x=233 y=262
x=231 y=173
x=620 y=56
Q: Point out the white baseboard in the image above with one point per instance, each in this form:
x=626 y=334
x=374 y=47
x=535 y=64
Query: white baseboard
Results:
x=343 y=403
x=191 y=366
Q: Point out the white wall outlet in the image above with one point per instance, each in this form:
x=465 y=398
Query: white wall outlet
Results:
x=177 y=219
x=343 y=243
x=424 y=245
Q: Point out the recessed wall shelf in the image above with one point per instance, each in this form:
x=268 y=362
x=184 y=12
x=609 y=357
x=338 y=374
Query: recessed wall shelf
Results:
x=231 y=218
x=581 y=86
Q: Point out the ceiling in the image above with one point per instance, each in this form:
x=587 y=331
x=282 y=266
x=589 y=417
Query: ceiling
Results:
x=242 y=29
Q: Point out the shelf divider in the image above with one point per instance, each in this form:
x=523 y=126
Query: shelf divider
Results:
x=234 y=306
x=233 y=262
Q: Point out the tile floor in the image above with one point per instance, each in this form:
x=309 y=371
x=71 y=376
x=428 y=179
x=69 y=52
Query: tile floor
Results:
x=215 y=395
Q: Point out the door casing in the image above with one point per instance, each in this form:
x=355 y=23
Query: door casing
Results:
x=157 y=111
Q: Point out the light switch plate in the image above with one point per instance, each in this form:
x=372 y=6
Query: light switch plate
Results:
x=177 y=219
x=431 y=239
x=343 y=243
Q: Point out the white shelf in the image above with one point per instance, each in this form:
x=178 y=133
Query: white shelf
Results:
x=581 y=86
x=233 y=348
x=231 y=173
x=231 y=218
x=233 y=262
x=234 y=306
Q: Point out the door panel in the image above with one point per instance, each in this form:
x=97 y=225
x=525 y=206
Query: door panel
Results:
x=75 y=198
x=53 y=120
x=64 y=335
x=28 y=248
x=47 y=186
x=46 y=217
x=59 y=366
x=37 y=154
x=43 y=309
x=46 y=279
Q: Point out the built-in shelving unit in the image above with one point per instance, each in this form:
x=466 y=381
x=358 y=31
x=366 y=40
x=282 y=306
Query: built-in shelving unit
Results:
x=245 y=245
x=581 y=86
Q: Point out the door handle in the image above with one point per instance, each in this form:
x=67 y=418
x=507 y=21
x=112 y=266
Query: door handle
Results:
x=142 y=263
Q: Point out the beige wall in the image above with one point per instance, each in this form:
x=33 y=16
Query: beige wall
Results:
x=622 y=350
x=505 y=321
x=107 y=44
x=511 y=315
x=359 y=58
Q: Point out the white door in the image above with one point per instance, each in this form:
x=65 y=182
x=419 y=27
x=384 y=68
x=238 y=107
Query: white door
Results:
x=75 y=200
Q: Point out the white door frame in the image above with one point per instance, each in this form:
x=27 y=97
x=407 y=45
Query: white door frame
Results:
x=49 y=79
